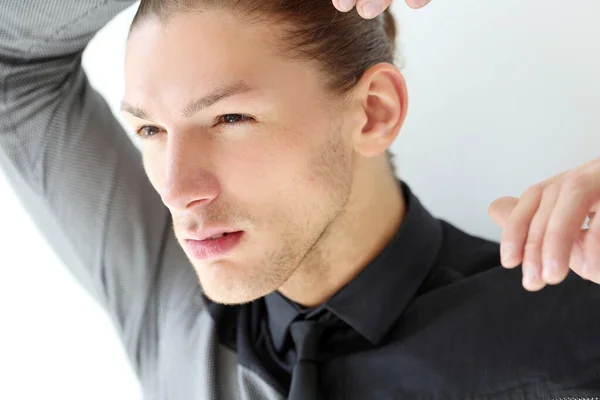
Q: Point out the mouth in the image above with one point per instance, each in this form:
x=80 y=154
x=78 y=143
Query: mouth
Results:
x=214 y=246
x=218 y=236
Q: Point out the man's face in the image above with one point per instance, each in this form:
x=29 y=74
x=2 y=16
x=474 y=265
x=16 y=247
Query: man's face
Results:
x=273 y=161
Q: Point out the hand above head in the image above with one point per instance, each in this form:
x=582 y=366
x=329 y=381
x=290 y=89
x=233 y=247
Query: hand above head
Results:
x=372 y=8
x=542 y=229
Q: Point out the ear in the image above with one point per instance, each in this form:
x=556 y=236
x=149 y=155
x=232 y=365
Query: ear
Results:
x=381 y=100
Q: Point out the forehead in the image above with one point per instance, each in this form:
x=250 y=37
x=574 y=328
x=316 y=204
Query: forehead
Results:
x=168 y=64
x=200 y=48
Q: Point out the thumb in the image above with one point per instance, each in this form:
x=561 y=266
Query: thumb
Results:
x=500 y=210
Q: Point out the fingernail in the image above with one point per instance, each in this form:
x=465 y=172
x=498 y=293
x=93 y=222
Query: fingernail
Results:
x=371 y=9
x=346 y=5
x=506 y=253
x=530 y=274
x=550 y=268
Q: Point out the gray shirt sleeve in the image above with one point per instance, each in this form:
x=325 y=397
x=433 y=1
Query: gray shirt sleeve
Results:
x=79 y=175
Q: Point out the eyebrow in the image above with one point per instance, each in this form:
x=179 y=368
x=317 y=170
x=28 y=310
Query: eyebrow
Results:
x=194 y=106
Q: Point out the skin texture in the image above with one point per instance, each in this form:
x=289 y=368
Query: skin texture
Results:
x=303 y=174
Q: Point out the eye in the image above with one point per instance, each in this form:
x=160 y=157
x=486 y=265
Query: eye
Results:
x=147 y=131
x=233 y=119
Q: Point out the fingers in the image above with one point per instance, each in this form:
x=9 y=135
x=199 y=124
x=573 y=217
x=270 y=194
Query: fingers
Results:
x=524 y=229
x=512 y=215
x=575 y=200
x=543 y=230
x=417 y=3
x=534 y=278
x=516 y=228
x=371 y=8
x=367 y=9
x=344 y=5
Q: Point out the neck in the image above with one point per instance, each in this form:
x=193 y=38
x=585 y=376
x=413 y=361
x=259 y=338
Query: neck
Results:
x=373 y=214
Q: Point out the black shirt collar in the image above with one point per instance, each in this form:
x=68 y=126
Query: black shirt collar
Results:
x=377 y=297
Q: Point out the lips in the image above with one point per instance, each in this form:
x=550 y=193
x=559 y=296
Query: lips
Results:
x=217 y=236
x=214 y=248
x=209 y=233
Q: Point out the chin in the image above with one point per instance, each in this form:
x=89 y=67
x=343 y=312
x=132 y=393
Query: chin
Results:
x=230 y=299
x=231 y=296
x=228 y=287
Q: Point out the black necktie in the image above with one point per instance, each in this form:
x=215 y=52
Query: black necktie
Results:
x=306 y=336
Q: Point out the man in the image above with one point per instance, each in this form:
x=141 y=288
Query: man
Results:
x=320 y=275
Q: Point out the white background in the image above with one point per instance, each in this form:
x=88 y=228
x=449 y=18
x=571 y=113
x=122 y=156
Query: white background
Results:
x=503 y=94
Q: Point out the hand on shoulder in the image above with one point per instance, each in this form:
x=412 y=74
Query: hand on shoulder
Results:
x=542 y=230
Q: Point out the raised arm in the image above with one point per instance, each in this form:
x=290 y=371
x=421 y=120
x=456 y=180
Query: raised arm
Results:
x=75 y=170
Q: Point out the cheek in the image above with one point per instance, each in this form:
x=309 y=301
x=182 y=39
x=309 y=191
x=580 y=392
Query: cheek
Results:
x=269 y=160
x=277 y=171
x=252 y=172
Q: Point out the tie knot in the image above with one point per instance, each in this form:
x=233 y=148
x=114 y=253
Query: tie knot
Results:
x=306 y=335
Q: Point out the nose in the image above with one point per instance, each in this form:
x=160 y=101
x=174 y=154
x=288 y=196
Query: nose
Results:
x=188 y=181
